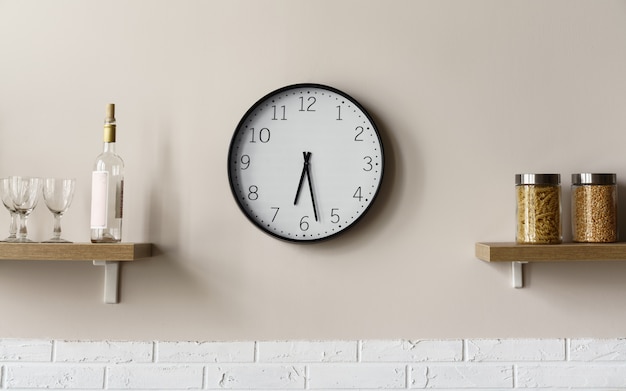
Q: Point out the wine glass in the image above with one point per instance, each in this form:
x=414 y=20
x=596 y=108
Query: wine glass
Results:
x=24 y=193
x=5 y=195
x=58 y=194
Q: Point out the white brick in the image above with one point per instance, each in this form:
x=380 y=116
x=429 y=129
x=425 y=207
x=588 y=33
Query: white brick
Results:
x=55 y=376
x=350 y=376
x=598 y=349
x=307 y=351
x=207 y=352
x=33 y=350
x=103 y=352
x=142 y=377
x=411 y=351
x=257 y=376
x=575 y=376
x=461 y=376
x=516 y=350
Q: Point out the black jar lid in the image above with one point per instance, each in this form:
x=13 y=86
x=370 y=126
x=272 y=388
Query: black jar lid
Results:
x=537 y=179
x=593 y=179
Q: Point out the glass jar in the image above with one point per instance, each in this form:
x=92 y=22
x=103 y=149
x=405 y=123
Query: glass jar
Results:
x=594 y=208
x=538 y=208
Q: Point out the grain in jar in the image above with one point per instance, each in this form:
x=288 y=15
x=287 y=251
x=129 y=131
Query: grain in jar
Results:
x=538 y=208
x=594 y=208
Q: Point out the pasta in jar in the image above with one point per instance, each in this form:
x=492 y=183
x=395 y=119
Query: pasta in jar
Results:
x=538 y=208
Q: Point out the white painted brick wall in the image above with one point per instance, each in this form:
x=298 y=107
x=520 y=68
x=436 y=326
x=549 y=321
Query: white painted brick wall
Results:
x=583 y=364
x=462 y=376
x=362 y=376
x=31 y=350
x=411 y=351
x=207 y=352
x=49 y=376
x=307 y=351
x=105 y=352
x=598 y=350
x=257 y=376
x=158 y=376
x=516 y=350
x=572 y=376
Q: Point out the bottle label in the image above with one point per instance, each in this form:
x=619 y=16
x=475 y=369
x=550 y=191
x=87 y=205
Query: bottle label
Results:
x=99 y=198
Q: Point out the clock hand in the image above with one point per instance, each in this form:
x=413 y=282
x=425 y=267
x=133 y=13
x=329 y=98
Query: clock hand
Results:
x=308 y=174
x=304 y=170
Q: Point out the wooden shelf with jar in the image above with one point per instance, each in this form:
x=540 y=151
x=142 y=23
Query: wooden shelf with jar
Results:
x=519 y=254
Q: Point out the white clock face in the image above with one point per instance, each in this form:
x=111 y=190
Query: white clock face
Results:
x=305 y=162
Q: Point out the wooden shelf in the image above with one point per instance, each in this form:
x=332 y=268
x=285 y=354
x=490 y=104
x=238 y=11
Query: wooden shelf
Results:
x=512 y=252
x=519 y=254
x=108 y=255
x=75 y=251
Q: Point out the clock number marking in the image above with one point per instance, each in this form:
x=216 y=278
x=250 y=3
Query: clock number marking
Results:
x=309 y=107
x=275 y=213
x=304 y=225
x=264 y=135
x=359 y=130
x=334 y=216
x=339 y=113
x=253 y=193
x=368 y=163
x=357 y=194
x=245 y=162
x=283 y=118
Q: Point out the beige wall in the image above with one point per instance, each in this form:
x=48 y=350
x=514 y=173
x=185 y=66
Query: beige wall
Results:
x=466 y=94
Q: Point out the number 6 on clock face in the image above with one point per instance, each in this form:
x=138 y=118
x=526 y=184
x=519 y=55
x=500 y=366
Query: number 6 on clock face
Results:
x=305 y=162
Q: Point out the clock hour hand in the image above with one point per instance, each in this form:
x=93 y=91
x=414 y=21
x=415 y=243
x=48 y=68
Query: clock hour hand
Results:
x=304 y=171
x=307 y=172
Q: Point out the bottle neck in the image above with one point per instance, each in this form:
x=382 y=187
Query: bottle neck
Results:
x=109 y=130
x=109 y=146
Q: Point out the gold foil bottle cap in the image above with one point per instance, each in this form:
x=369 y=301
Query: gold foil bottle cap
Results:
x=109 y=124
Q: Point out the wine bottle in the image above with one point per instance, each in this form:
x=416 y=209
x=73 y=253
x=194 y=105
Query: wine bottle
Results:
x=107 y=187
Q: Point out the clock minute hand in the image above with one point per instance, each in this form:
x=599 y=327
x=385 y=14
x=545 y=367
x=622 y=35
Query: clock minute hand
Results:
x=308 y=174
x=304 y=171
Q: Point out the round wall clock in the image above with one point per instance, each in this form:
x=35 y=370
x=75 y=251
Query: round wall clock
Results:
x=305 y=162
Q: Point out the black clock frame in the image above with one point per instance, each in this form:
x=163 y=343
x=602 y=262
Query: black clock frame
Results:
x=262 y=101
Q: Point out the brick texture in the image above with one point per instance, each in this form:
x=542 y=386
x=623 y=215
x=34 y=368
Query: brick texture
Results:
x=457 y=364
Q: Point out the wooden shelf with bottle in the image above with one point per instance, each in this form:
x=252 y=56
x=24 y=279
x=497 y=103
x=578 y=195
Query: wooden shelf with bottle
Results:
x=75 y=251
x=108 y=255
x=518 y=254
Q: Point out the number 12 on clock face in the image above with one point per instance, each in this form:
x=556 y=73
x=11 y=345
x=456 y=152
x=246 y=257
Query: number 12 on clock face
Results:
x=305 y=162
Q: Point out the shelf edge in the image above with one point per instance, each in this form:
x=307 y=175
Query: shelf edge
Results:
x=75 y=251
x=565 y=252
x=483 y=252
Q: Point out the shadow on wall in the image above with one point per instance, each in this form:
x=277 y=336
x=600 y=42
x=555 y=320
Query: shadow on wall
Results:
x=162 y=290
x=162 y=218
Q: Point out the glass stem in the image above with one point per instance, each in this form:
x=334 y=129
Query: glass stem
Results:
x=13 y=226
x=23 y=232
x=56 y=232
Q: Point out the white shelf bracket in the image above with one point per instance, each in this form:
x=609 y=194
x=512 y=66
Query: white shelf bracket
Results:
x=517 y=274
x=111 y=280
